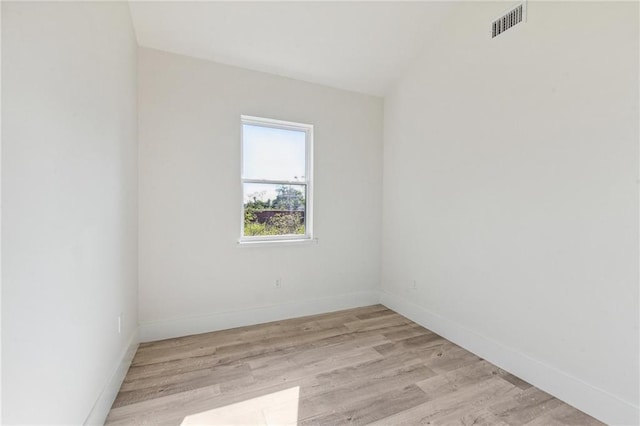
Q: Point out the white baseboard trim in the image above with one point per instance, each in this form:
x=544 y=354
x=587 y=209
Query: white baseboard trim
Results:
x=592 y=400
x=101 y=408
x=166 y=329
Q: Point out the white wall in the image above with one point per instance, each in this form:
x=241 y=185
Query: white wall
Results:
x=193 y=275
x=510 y=196
x=69 y=225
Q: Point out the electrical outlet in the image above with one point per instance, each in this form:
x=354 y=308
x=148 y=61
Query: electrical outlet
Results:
x=120 y=323
x=278 y=282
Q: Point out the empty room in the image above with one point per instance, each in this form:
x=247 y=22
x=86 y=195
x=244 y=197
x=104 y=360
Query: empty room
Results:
x=320 y=213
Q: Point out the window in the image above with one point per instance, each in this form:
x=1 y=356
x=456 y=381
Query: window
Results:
x=276 y=180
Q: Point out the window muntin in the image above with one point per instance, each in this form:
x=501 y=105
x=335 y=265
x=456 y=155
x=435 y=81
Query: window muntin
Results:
x=276 y=180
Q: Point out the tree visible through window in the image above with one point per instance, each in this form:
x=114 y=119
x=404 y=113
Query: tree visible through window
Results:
x=276 y=179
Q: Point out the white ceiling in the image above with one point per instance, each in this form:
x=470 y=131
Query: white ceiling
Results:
x=359 y=46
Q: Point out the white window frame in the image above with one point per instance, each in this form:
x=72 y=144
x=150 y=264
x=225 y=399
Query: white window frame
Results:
x=307 y=182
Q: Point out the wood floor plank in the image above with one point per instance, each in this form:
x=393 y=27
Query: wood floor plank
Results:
x=446 y=383
x=564 y=414
x=453 y=405
x=476 y=418
x=516 y=381
x=215 y=376
x=136 y=413
x=360 y=366
x=222 y=373
x=377 y=323
x=412 y=331
x=368 y=410
x=415 y=344
x=375 y=314
x=350 y=358
x=524 y=408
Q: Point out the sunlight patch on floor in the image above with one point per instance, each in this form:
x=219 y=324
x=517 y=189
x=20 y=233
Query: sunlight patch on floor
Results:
x=277 y=408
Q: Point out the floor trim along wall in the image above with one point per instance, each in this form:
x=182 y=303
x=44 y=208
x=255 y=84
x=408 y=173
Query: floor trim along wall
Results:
x=101 y=408
x=166 y=329
x=592 y=400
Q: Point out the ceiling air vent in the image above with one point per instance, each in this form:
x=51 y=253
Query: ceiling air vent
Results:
x=508 y=20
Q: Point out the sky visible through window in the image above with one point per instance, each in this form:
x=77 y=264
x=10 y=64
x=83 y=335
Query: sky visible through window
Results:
x=270 y=153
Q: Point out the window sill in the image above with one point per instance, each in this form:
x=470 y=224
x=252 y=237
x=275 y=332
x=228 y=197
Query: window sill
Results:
x=263 y=243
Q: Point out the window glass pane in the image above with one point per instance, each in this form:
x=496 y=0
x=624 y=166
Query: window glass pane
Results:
x=274 y=209
x=274 y=154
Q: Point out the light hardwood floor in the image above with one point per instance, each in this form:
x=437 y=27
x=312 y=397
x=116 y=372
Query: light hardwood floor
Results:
x=360 y=366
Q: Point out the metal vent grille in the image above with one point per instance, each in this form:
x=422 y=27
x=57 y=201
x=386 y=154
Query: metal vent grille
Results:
x=507 y=21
